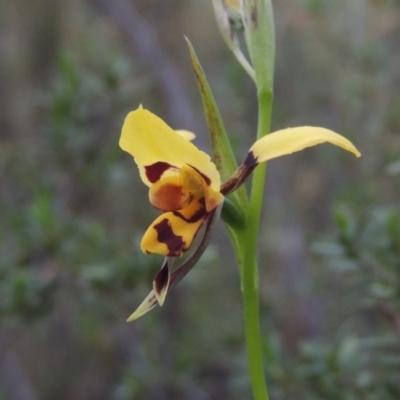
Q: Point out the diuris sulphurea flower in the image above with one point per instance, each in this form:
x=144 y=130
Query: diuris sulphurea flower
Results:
x=185 y=185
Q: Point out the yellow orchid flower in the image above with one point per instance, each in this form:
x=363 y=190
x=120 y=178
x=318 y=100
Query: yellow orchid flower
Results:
x=182 y=179
x=185 y=184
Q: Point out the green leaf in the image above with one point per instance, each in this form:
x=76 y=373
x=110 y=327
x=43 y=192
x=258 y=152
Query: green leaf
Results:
x=222 y=151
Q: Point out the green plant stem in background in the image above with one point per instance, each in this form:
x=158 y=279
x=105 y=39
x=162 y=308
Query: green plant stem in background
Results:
x=259 y=33
x=250 y=283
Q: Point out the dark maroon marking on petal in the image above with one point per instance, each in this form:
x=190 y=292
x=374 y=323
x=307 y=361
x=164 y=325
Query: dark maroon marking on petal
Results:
x=198 y=215
x=250 y=160
x=154 y=171
x=205 y=177
x=166 y=235
x=161 y=280
x=191 y=197
x=240 y=175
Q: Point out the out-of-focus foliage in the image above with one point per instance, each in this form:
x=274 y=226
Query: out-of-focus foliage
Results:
x=365 y=256
x=72 y=207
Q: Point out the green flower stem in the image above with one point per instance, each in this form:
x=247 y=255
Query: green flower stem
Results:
x=249 y=275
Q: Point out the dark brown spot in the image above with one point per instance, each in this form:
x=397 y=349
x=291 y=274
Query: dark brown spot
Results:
x=197 y=215
x=240 y=175
x=207 y=180
x=250 y=160
x=161 y=280
x=154 y=171
x=166 y=235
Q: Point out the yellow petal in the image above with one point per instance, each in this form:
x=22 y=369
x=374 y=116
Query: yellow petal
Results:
x=150 y=141
x=172 y=233
x=148 y=304
x=290 y=140
x=185 y=134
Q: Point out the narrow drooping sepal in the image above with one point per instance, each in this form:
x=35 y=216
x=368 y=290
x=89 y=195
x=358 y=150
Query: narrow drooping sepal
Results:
x=161 y=281
x=147 y=304
x=175 y=277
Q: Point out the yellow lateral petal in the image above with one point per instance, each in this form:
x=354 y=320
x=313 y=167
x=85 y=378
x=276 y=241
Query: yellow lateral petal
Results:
x=150 y=140
x=290 y=140
x=171 y=234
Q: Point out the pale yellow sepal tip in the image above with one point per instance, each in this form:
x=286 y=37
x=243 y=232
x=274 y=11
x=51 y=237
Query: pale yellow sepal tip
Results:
x=162 y=295
x=147 y=304
x=186 y=134
x=290 y=140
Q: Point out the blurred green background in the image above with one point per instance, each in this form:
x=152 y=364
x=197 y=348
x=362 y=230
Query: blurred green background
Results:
x=73 y=209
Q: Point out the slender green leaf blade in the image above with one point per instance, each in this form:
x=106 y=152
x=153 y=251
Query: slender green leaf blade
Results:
x=223 y=155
